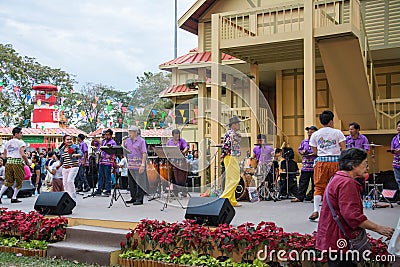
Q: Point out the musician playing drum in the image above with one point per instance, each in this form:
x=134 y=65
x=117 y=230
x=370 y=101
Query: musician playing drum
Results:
x=263 y=152
x=180 y=167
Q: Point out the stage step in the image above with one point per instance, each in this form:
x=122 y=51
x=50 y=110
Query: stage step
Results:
x=90 y=244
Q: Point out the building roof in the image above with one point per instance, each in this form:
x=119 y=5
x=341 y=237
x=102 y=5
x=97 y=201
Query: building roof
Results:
x=143 y=133
x=45 y=87
x=177 y=90
x=190 y=20
x=191 y=58
x=46 y=131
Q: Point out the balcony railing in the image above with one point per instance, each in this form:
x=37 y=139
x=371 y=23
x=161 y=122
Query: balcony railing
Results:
x=273 y=19
x=388 y=113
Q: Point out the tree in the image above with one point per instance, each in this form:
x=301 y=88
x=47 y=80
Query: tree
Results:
x=146 y=106
x=18 y=75
x=96 y=105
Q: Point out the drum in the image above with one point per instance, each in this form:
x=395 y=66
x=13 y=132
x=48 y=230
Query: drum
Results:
x=153 y=177
x=240 y=188
x=165 y=170
x=250 y=165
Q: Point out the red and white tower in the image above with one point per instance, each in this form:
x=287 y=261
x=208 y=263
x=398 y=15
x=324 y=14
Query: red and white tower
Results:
x=44 y=114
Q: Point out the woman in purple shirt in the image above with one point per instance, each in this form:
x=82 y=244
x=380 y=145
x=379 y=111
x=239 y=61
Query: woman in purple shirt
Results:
x=180 y=166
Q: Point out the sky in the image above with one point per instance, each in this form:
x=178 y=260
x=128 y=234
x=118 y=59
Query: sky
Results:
x=98 y=41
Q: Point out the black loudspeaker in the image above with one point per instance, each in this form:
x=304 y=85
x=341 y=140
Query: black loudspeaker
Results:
x=55 y=203
x=210 y=211
x=119 y=136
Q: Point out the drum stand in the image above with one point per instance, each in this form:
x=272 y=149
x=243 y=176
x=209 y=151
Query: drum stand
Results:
x=169 y=152
x=376 y=194
x=117 y=194
x=263 y=188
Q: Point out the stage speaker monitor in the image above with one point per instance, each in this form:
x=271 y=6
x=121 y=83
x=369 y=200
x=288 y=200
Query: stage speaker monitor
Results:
x=54 y=203
x=119 y=136
x=210 y=211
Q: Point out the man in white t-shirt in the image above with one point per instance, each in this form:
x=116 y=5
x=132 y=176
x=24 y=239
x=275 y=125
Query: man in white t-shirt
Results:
x=14 y=171
x=327 y=143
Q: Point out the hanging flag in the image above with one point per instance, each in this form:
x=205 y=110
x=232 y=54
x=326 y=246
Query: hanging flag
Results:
x=42 y=127
x=161 y=124
x=78 y=102
x=182 y=111
x=77 y=115
x=119 y=104
x=184 y=119
x=108 y=102
x=110 y=123
x=145 y=124
x=83 y=113
x=163 y=114
x=109 y=109
x=93 y=115
x=62 y=100
x=28 y=97
x=154 y=125
x=25 y=122
x=123 y=125
x=123 y=109
x=48 y=96
x=94 y=105
x=1 y=88
x=131 y=108
x=170 y=113
x=154 y=111
x=16 y=88
x=38 y=102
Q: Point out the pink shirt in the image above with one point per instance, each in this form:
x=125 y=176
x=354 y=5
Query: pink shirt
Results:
x=344 y=195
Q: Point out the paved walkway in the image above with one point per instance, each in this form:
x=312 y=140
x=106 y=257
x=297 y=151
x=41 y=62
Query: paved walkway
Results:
x=293 y=217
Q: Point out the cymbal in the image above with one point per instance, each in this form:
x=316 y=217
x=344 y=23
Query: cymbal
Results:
x=371 y=145
x=267 y=144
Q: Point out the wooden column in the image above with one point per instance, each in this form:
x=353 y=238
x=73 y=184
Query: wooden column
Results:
x=201 y=123
x=279 y=107
x=216 y=79
x=309 y=65
x=254 y=104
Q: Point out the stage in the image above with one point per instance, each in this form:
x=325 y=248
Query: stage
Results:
x=293 y=217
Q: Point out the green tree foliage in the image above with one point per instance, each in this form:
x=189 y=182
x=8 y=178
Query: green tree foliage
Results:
x=146 y=97
x=17 y=76
x=101 y=104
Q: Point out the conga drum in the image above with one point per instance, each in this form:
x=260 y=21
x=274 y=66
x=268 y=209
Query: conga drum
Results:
x=152 y=172
x=165 y=170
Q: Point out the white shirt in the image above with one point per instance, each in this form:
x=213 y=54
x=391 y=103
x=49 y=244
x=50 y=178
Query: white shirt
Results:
x=124 y=168
x=58 y=174
x=12 y=147
x=327 y=140
x=2 y=169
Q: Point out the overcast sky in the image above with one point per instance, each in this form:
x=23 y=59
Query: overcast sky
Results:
x=98 y=41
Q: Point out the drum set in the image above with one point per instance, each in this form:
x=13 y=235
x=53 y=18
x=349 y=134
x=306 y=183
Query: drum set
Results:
x=264 y=177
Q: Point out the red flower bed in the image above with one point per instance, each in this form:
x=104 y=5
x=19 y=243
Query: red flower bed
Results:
x=244 y=241
x=32 y=225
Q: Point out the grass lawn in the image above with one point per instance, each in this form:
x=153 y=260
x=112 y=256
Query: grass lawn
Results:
x=10 y=259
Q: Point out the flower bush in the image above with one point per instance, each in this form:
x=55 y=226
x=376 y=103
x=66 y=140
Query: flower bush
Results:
x=32 y=226
x=242 y=242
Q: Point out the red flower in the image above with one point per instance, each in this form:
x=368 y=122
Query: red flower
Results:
x=70 y=151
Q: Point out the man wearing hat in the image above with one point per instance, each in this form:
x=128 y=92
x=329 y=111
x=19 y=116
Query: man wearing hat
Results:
x=136 y=146
x=230 y=155
x=83 y=184
x=307 y=169
x=180 y=166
